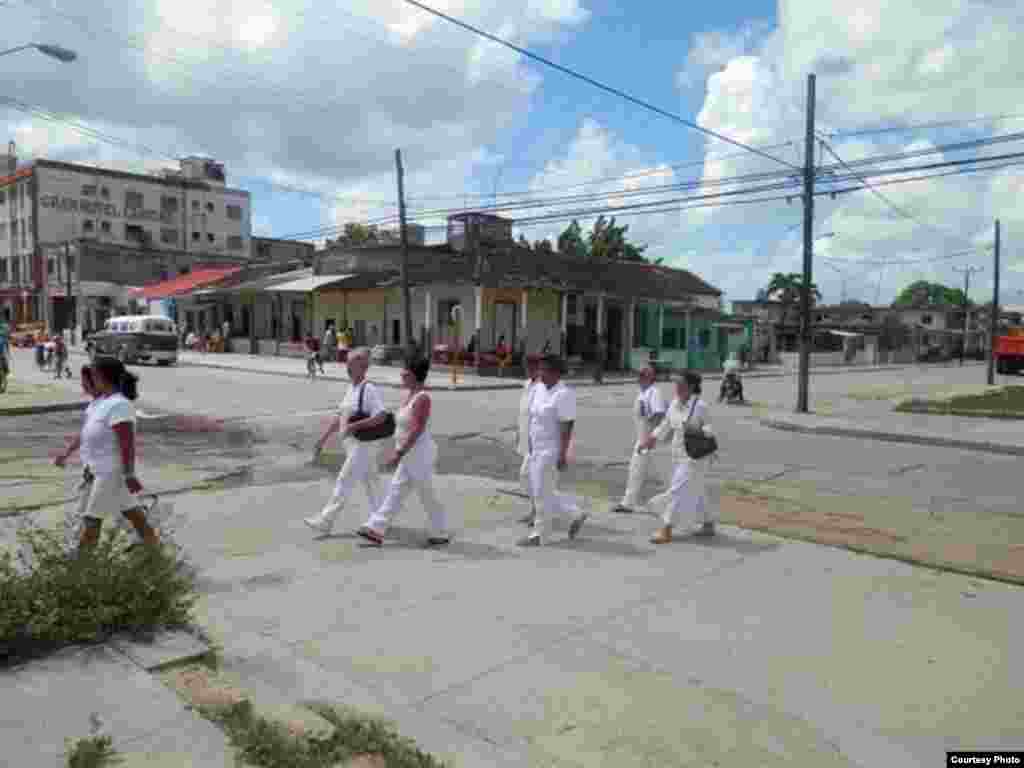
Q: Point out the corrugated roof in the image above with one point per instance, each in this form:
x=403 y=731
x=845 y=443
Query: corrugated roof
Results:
x=183 y=284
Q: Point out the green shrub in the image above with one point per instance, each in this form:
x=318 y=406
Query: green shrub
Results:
x=50 y=597
x=92 y=752
x=268 y=744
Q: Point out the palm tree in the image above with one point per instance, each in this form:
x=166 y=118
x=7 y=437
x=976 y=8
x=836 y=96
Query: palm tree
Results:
x=786 y=288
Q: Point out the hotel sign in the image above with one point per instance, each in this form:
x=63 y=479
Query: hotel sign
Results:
x=99 y=208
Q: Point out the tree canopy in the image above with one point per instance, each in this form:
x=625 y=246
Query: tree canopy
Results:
x=606 y=241
x=925 y=294
x=786 y=288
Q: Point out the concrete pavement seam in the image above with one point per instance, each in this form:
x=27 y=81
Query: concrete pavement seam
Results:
x=31 y=410
x=894 y=437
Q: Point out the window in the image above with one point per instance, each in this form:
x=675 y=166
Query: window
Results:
x=926 y=319
x=169 y=205
x=14 y=230
x=49 y=266
x=135 y=233
x=195 y=237
x=210 y=236
x=70 y=260
x=88 y=190
x=234 y=212
x=105 y=193
x=3 y=231
x=24 y=235
x=133 y=200
x=88 y=225
x=209 y=207
x=235 y=242
x=3 y=197
x=105 y=226
x=169 y=236
x=195 y=205
x=668 y=338
x=3 y=270
x=15 y=270
x=570 y=304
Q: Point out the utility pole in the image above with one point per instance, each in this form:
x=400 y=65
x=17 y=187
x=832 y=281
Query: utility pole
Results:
x=410 y=344
x=803 y=382
x=68 y=291
x=968 y=271
x=994 y=321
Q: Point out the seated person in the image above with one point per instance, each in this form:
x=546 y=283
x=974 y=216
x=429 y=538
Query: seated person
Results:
x=732 y=388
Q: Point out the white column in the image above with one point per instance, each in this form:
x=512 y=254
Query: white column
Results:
x=630 y=334
x=478 y=317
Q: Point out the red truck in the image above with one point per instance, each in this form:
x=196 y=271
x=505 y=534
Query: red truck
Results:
x=1009 y=352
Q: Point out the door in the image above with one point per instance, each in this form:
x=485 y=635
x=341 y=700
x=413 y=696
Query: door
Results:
x=504 y=323
x=613 y=324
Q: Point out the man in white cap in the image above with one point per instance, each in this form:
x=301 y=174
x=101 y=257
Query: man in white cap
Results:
x=648 y=411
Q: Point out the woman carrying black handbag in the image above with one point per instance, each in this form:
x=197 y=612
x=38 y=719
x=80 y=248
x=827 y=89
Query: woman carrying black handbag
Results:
x=693 y=445
x=362 y=420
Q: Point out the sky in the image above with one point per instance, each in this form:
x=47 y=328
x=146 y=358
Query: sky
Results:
x=305 y=103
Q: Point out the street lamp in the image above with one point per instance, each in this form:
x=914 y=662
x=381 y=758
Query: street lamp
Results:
x=57 y=52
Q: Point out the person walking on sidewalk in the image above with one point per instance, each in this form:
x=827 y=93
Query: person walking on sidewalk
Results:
x=686 y=493
x=413 y=460
x=648 y=412
x=552 y=417
x=363 y=400
x=329 y=346
x=107 y=447
x=530 y=387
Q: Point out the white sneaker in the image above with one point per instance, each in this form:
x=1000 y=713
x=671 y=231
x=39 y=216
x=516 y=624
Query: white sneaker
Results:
x=318 y=525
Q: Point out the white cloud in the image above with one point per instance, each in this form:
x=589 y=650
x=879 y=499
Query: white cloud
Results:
x=883 y=63
x=317 y=95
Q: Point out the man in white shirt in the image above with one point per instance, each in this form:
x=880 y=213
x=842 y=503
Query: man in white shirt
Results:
x=648 y=411
x=552 y=417
x=363 y=399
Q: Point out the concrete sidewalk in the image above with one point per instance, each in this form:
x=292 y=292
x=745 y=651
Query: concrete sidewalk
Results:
x=961 y=432
x=741 y=650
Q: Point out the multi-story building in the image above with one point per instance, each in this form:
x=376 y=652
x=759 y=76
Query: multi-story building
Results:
x=49 y=208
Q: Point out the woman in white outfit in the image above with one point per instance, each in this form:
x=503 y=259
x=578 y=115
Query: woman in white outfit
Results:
x=648 y=412
x=685 y=497
x=413 y=460
x=362 y=399
x=552 y=417
x=107 y=447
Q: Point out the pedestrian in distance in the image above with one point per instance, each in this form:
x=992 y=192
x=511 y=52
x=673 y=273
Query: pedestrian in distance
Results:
x=361 y=409
x=686 y=496
x=648 y=412
x=329 y=346
x=530 y=387
x=552 y=418
x=413 y=461
x=107 y=448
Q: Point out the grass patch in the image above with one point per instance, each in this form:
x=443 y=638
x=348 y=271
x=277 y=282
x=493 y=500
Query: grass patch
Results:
x=266 y=743
x=93 y=751
x=51 y=597
x=1000 y=402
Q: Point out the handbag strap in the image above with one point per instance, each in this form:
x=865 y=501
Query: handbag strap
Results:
x=689 y=416
x=359 y=406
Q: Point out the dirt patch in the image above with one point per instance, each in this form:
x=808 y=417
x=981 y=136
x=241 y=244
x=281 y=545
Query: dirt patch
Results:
x=964 y=542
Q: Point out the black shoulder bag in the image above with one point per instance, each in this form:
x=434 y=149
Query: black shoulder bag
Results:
x=697 y=444
x=379 y=432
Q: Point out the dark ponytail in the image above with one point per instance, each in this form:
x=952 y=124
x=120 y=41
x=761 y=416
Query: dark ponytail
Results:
x=121 y=379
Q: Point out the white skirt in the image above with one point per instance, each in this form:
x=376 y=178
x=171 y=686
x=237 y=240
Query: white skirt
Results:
x=105 y=496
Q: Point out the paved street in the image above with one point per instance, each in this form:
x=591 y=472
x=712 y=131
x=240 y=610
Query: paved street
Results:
x=751 y=650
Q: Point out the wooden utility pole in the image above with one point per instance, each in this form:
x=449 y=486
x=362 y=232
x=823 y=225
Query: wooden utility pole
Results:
x=994 y=321
x=803 y=381
x=968 y=271
x=410 y=343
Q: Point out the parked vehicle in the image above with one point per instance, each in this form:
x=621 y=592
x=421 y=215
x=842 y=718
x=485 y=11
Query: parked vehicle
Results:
x=137 y=338
x=1009 y=352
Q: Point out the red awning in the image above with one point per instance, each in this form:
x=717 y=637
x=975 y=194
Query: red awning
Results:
x=197 y=278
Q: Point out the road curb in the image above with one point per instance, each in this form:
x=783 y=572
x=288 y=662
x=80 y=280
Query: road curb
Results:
x=29 y=410
x=895 y=437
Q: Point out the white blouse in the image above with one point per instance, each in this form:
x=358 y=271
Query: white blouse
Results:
x=675 y=421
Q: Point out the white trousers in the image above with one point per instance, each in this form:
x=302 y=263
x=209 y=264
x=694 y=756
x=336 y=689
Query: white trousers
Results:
x=548 y=503
x=639 y=465
x=358 y=468
x=685 y=501
x=415 y=474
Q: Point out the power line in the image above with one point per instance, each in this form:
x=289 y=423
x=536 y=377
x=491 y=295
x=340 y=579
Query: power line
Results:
x=899 y=209
x=591 y=81
x=921 y=126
